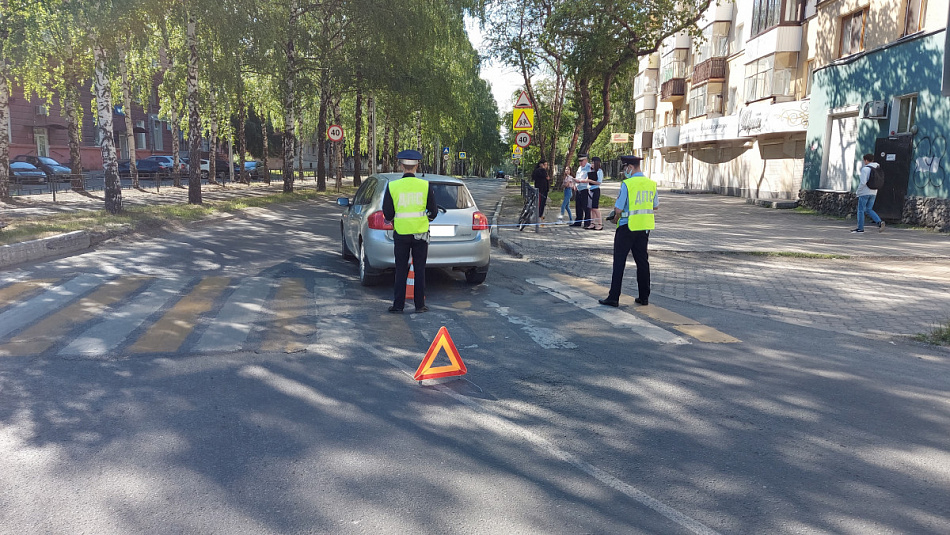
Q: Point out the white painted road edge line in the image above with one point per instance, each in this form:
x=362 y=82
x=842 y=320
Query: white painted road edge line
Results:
x=618 y=318
x=630 y=491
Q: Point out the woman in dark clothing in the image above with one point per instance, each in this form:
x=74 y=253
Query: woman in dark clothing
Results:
x=542 y=182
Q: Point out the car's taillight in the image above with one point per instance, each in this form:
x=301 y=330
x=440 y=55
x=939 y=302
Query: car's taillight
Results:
x=479 y=221
x=377 y=221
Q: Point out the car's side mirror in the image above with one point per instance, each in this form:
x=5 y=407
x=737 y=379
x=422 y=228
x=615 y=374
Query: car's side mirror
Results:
x=343 y=201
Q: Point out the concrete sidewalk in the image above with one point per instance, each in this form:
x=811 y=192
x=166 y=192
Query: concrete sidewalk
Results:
x=896 y=282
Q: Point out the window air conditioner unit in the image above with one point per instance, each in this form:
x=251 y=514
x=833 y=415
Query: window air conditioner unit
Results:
x=40 y=109
x=875 y=109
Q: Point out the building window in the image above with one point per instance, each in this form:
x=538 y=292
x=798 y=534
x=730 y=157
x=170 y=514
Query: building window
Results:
x=645 y=120
x=697 y=101
x=906 y=113
x=914 y=16
x=714 y=44
x=673 y=65
x=852 y=33
x=763 y=80
x=41 y=136
x=140 y=136
x=767 y=14
x=158 y=140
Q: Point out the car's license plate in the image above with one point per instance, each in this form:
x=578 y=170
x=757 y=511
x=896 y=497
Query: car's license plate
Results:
x=442 y=230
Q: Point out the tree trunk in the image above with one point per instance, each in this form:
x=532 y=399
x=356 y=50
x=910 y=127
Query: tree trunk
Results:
x=4 y=129
x=392 y=158
x=113 y=188
x=357 y=139
x=371 y=133
x=321 y=140
x=194 y=120
x=385 y=155
x=212 y=141
x=289 y=81
x=242 y=135
x=266 y=149
x=73 y=110
x=570 y=151
x=127 y=108
x=176 y=144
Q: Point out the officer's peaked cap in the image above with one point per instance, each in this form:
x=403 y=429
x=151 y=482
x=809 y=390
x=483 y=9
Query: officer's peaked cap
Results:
x=410 y=157
x=631 y=160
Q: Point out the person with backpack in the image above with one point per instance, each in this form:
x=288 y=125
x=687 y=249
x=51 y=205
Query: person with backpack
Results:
x=871 y=178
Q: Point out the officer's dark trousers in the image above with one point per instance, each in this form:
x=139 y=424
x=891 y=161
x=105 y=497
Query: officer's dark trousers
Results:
x=402 y=247
x=628 y=241
x=542 y=201
x=582 y=201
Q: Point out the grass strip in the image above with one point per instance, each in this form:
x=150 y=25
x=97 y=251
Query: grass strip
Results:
x=793 y=254
x=136 y=217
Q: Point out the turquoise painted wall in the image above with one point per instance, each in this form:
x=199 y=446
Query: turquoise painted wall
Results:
x=913 y=66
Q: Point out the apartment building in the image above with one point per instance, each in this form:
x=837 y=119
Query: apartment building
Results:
x=879 y=85
x=726 y=110
x=38 y=127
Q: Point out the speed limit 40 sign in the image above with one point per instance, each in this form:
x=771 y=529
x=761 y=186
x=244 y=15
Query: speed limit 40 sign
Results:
x=523 y=139
x=335 y=132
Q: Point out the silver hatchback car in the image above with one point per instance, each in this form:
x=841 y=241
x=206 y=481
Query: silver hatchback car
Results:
x=459 y=235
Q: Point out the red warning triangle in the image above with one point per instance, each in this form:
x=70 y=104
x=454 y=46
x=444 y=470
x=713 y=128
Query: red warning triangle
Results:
x=523 y=121
x=442 y=341
x=524 y=101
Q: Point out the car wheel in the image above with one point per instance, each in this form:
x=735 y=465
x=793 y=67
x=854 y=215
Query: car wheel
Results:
x=368 y=277
x=347 y=255
x=204 y=175
x=473 y=276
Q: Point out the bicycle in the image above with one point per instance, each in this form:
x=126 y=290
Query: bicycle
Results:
x=530 y=210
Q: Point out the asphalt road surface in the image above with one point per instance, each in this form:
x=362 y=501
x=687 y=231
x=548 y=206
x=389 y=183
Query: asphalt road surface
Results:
x=236 y=378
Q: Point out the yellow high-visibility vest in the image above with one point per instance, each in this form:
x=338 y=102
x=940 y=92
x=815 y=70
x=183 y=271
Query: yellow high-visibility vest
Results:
x=641 y=191
x=410 y=195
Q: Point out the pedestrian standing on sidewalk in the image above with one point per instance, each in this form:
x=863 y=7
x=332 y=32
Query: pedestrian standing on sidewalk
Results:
x=542 y=182
x=635 y=207
x=866 y=195
x=582 y=197
x=595 y=179
x=409 y=203
x=568 y=193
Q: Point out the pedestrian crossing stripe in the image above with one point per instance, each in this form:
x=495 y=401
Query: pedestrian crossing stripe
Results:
x=441 y=341
x=170 y=331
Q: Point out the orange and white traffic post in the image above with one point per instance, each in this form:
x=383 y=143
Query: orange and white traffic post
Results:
x=411 y=282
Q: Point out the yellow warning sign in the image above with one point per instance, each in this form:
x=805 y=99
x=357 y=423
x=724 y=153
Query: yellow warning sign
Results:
x=515 y=149
x=523 y=119
x=442 y=341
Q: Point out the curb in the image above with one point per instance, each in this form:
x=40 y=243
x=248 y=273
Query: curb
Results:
x=495 y=240
x=43 y=248
x=71 y=243
x=767 y=203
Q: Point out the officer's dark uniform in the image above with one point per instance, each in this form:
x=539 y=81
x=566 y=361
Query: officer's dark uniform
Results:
x=411 y=212
x=637 y=202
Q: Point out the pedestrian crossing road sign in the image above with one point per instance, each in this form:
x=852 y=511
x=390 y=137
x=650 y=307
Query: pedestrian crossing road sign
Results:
x=445 y=151
x=523 y=119
x=442 y=341
x=463 y=155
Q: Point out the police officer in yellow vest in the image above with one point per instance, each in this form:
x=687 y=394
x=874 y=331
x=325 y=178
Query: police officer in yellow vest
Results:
x=635 y=206
x=409 y=204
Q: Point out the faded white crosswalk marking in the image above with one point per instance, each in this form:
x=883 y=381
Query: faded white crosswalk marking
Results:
x=617 y=318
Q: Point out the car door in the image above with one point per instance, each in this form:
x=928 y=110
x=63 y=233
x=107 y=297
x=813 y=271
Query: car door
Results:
x=355 y=213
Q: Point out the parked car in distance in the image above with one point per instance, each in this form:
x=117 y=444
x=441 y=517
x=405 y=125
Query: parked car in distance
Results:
x=168 y=162
x=27 y=173
x=253 y=168
x=459 y=235
x=54 y=170
x=147 y=167
x=220 y=168
x=500 y=174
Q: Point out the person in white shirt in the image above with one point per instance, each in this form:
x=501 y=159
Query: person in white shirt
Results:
x=582 y=199
x=866 y=196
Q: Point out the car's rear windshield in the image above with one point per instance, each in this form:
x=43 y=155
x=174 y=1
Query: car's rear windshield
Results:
x=48 y=161
x=451 y=196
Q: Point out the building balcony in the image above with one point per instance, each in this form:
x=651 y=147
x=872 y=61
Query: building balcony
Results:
x=668 y=136
x=673 y=90
x=713 y=69
x=642 y=140
x=646 y=101
x=776 y=40
x=677 y=42
x=651 y=61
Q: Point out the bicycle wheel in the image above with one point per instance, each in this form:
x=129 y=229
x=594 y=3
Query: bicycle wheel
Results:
x=523 y=220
